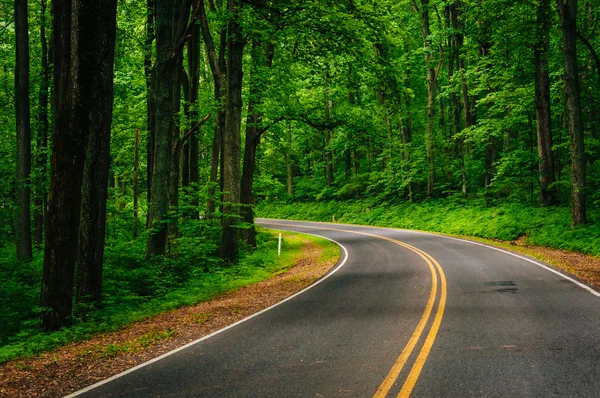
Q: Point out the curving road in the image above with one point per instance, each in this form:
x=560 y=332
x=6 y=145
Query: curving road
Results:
x=403 y=313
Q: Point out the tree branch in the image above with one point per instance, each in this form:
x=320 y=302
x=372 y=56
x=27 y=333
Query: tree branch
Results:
x=193 y=130
x=187 y=32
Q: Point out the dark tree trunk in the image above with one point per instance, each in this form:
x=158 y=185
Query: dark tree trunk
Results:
x=194 y=78
x=163 y=128
x=136 y=189
x=150 y=77
x=216 y=62
x=329 y=176
x=252 y=139
x=542 y=103
x=185 y=154
x=23 y=161
x=568 y=16
x=431 y=77
x=406 y=137
x=253 y=132
x=288 y=163
x=94 y=190
x=80 y=62
x=41 y=197
x=231 y=136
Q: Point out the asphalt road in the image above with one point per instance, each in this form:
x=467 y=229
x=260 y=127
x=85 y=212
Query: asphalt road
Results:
x=407 y=313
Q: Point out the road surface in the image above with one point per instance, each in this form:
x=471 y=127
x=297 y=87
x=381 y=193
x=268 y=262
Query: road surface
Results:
x=404 y=313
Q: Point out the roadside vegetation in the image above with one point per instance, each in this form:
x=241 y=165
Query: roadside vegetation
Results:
x=137 y=289
x=540 y=226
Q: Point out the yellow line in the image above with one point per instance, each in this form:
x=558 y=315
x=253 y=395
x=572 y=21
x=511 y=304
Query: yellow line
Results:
x=415 y=372
x=388 y=382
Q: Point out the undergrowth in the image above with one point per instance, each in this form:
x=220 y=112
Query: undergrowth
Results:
x=543 y=226
x=136 y=288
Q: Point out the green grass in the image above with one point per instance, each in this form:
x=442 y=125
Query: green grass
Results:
x=543 y=226
x=136 y=289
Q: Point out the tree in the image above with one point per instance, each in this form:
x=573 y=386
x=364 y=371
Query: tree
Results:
x=542 y=103
x=94 y=188
x=78 y=61
x=231 y=135
x=22 y=191
x=568 y=16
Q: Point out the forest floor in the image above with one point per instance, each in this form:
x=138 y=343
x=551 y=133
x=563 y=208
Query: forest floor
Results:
x=77 y=365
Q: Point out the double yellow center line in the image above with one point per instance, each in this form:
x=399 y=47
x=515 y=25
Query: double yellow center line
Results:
x=436 y=269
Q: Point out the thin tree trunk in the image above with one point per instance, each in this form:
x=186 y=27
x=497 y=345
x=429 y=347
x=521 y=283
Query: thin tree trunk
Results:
x=80 y=62
x=163 y=127
x=231 y=136
x=23 y=161
x=136 y=192
x=252 y=140
x=288 y=162
x=150 y=77
x=568 y=16
x=194 y=75
x=218 y=72
x=42 y=134
x=429 y=140
x=542 y=104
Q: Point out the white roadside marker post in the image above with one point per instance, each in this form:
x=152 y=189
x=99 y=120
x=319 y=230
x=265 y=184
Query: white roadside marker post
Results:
x=279 y=246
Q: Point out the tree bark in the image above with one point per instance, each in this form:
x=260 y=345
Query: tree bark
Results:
x=542 y=104
x=94 y=190
x=231 y=135
x=568 y=15
x=431 y=78
x=136 y=189
x=216 y=62
x=194 y=77
x=163 y=128
x=253 y=132
x=41 y=196
x=80 y=60
x=150 y=77
x=23 y=161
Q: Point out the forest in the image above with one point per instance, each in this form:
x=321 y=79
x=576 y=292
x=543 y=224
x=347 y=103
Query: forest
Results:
x=141 y=138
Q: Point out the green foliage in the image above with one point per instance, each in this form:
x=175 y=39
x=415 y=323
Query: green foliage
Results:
x=136 y=288
x=544 y=226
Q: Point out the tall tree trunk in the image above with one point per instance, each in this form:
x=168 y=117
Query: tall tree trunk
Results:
x=41 y=197
x=150 y=77
x=542 y=103
x=231 y=135
x=185 y=154
x=194 y=77
x=329 y=177
x=163 y=128
x=80 y=60
x=94 y=188
x=23 y=161
x=406 y=138
x=288 y=162
x=217 y=67
x=568 y=16
x=431 y=77
x=253 y=132
x=136 y=189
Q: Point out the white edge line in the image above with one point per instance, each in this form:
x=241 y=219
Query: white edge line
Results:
x=570 y=279
x=573 y=280
x=144 y=364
